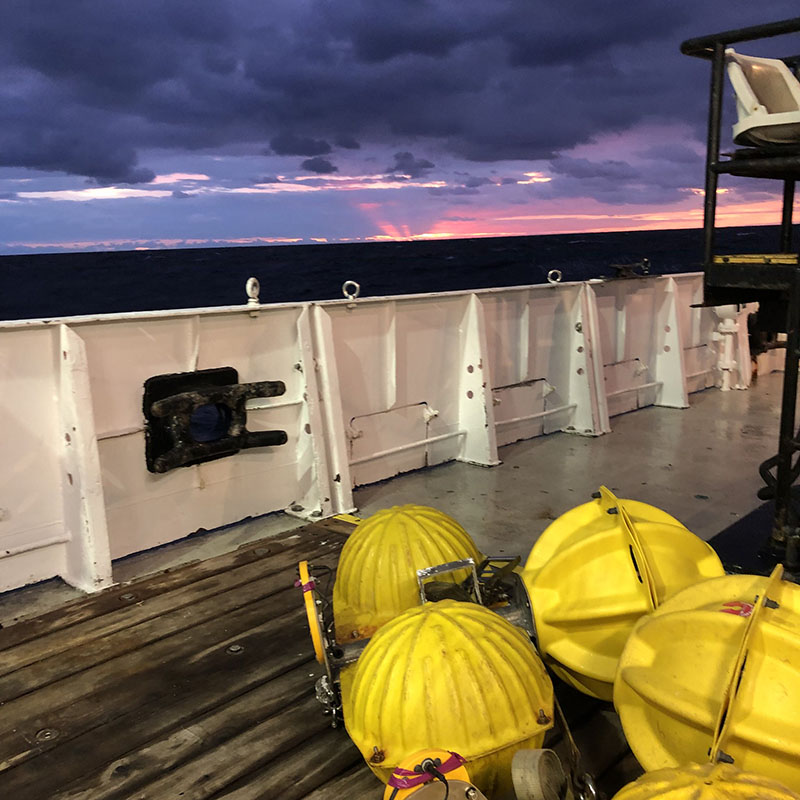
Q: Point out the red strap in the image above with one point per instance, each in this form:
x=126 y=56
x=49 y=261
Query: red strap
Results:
x=408 y=779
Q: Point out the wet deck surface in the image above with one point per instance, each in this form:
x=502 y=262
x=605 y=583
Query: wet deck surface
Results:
x=193 y=683
x=197 y=683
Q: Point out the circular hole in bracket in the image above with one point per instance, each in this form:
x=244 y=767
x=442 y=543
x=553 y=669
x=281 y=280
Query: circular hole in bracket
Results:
x=210 y=422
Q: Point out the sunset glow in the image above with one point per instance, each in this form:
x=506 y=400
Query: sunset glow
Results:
x=503 y=120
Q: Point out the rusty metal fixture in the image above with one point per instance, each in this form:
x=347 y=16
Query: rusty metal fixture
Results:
x=176 y=435
x=377 y=755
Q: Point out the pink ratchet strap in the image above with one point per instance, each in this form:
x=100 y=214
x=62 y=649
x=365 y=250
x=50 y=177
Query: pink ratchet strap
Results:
x=408 y=779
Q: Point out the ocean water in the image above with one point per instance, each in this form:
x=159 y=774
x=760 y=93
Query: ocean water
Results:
x=64 y=284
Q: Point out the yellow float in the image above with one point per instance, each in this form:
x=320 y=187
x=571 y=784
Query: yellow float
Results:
x=716 y=671
x=377 y=576
x=704 y=782
x=595 y=571
x=449 y=675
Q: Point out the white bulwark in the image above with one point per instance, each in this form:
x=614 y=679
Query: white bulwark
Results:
x=374 y=387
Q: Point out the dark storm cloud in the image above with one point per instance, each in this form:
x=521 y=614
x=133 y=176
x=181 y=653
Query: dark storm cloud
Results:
x=347 y=142
x=583 y=168
x=87 y=87
x=473 y=181
x=319 y=165
x=406 y=164
x=287 y=144
x=657 y=175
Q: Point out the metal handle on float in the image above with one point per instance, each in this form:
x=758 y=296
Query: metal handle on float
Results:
x=762 y=601
x=612 y=505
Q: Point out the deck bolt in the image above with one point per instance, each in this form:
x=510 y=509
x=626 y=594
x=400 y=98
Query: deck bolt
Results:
x=471 y=793
x=235 y=649
x=46 y=735
x=127 y=596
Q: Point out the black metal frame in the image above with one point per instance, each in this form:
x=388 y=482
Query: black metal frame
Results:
x=780 y=162
x=775 y=286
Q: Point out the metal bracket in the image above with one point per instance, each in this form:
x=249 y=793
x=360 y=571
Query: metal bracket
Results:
x=198 y=416
x=444 y=569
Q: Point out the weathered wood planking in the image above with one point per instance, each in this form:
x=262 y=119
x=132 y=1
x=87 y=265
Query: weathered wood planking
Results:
x=136 y=694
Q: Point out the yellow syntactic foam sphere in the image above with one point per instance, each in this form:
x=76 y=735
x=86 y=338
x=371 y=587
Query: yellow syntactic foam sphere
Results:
x=377 y=575
x=449 y=675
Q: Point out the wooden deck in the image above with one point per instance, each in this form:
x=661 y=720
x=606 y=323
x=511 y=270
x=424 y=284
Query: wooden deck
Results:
x=198 y=683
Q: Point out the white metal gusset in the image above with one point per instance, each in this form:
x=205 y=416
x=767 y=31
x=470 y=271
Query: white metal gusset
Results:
x=475 y=406
x=88 y=560
x=668 y=341
x=330 y=394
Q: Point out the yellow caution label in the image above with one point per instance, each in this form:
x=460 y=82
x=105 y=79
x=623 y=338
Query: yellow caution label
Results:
x=348 y=518
x=759 y=258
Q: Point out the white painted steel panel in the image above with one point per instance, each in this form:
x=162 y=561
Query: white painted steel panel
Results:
x=641 y=344
x=531 y=338
x=145 y=510
x=364 y=351
x=123 y=355
x=32 y=443
x=412 y=379
x=399 y=367
x=697 y=327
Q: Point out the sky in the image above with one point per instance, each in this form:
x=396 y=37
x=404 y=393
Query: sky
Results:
x=190 y=123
